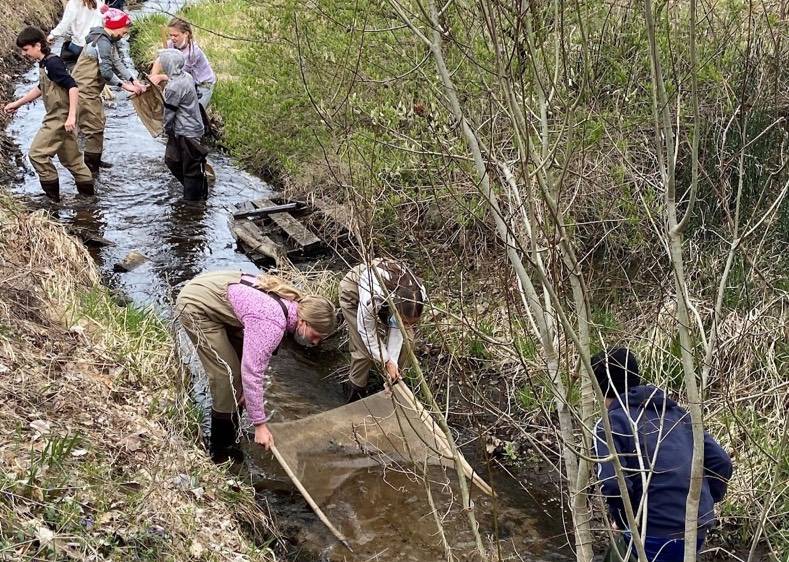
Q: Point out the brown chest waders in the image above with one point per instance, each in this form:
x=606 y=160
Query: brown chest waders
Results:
x=91 y=116
x=361 y=360
x=207 y=316
x=52 y=140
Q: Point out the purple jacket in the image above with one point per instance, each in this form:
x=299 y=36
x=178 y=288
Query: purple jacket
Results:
x=196 y=63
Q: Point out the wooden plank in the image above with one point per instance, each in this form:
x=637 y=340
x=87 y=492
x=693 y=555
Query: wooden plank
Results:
x=293 y=228
x=246 y=214
x=257 y=242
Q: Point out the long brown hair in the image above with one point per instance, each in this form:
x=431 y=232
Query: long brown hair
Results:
x=90 y=4
x=316 y=311
x=407 y=290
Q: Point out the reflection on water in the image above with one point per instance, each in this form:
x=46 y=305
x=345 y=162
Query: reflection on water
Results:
x=139 y=207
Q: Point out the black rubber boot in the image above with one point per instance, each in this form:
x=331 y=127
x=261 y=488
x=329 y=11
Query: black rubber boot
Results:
x=223 y=446
x=353 y=392
x=86 y=188
x=51 y=189
x=195 y=188
x=92 y=160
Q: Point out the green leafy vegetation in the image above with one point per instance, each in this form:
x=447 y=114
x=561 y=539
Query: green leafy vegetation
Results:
x=341 y=100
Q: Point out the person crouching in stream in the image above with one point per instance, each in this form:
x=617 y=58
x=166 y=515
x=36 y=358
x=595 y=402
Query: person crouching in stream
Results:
x=183 y=124
x=364 y=301
x=100 y=64
x=57 y=134
x=236 y=322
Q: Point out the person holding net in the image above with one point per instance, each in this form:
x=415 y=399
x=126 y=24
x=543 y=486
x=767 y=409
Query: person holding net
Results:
x=236 y=322
x=374 y=335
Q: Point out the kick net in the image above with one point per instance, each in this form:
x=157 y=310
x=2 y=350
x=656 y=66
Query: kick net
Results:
x=329 y=453
x=150 y=109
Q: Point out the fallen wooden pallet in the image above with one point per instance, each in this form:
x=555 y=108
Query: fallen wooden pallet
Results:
x=294 y=229
x=267 y=231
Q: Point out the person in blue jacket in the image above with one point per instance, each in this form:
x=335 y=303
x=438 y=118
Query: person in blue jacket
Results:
x=659 y=458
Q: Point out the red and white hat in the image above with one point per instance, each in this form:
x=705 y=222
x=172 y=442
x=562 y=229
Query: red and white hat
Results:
x=114 y=18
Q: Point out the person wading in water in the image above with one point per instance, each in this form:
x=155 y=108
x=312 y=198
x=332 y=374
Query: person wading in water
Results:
x=236 y=322
x=57 y=134
x=99 y=64
x=374 y=336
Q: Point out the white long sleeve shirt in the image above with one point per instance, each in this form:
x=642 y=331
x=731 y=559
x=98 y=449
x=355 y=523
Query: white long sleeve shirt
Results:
x=372 y=296
x=77 y=21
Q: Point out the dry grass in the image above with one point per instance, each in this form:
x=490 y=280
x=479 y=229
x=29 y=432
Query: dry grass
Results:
x=98 y=452
x=16 y=15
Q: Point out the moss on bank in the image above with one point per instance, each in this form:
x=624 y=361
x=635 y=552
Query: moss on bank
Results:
x=99 y=457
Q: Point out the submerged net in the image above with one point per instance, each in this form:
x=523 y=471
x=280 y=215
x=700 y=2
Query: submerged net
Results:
x=150 y=108
x=382 y=437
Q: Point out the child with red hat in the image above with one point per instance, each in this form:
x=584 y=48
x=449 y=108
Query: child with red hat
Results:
x=100 y=64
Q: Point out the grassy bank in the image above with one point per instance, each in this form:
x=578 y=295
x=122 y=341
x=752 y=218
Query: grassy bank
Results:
x=99 y=456
x=342 y=101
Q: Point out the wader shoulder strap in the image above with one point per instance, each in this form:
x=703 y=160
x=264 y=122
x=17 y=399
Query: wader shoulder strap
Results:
x=276 y=297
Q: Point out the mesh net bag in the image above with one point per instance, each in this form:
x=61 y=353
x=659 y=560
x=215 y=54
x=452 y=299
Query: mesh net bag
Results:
x=338 y=458
x=150 y=108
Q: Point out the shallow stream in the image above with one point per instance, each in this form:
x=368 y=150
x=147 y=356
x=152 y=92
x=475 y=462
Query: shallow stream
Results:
x=139 y=207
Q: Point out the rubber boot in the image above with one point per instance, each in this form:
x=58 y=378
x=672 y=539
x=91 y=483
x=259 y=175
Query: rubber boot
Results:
x=86 y=188
x=222 y=446
x=195 y=188
x=51 y=189
x=92 y=160
x=353 y=392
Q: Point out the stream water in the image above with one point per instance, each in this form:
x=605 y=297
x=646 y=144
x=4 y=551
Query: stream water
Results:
x=139 y=207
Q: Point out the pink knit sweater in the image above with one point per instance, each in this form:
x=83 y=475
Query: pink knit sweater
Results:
x=264 y=328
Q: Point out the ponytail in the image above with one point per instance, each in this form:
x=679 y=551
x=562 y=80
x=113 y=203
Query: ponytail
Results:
x=407 y=290
x=316 y=311
x=90 y=4
x=275 y=285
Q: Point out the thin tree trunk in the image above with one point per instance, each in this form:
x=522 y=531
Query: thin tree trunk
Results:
x=667 y=158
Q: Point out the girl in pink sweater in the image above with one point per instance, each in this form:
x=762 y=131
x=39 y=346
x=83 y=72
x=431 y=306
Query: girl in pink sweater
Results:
x=236 y=322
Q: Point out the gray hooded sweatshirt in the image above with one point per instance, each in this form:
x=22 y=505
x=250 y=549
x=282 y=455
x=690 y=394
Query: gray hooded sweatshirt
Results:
x=101 y=46
x=181 y=110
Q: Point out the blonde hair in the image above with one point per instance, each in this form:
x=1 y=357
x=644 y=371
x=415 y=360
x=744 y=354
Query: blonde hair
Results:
x=316 y=311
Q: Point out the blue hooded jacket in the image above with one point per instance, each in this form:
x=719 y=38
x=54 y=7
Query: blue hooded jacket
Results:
x=667 y=473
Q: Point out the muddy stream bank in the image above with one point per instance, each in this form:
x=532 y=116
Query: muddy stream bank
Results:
x=139 y=207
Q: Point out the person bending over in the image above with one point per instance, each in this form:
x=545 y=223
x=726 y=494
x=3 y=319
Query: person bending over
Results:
x=653 y=438
x=374 y=336
x=237 y=322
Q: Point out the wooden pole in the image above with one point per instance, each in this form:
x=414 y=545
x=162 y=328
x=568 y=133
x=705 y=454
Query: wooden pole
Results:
x=427 y=419
x=308 y=497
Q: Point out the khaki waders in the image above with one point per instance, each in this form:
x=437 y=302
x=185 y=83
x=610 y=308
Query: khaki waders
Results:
x=91 y=117
x=361 y=360
x=52 y=139
x=208 y=318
